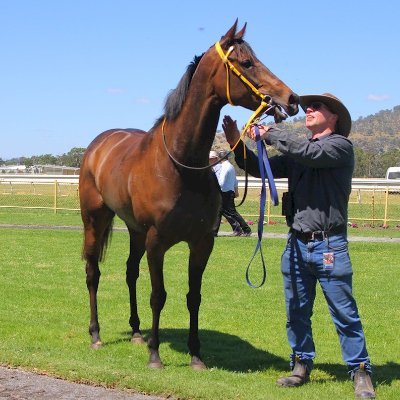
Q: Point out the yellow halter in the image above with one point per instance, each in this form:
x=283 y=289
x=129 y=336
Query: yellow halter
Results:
x=265 y=103
x=229 y=66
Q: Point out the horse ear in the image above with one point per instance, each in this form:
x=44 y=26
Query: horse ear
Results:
x=240 y=34
x=229 y=36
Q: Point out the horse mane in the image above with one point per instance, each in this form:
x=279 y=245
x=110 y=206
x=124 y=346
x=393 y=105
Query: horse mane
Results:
x=176 y=97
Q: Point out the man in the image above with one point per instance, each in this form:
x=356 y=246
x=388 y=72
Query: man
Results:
x=319 y=172
x=227 y=180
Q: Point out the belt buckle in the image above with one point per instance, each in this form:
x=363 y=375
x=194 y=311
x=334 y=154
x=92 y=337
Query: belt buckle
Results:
x=321 y=234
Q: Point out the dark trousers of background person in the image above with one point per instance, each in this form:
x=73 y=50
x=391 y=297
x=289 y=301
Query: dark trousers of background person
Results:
x=228 y=210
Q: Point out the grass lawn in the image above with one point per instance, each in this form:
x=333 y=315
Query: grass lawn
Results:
x=44 y=316
x=72 y=218
x=367 y=211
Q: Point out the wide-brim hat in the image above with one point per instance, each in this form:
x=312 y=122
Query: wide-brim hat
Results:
x=335 y=105
x=213 y=154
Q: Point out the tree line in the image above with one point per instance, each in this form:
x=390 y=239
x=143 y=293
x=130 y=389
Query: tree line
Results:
x=370 y=164
x=376 y=141
x=71 y=159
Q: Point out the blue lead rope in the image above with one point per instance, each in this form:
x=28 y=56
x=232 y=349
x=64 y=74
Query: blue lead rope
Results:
x=265 y=171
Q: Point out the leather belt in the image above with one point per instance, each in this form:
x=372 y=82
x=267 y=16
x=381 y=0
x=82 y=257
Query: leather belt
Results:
x=317 y=235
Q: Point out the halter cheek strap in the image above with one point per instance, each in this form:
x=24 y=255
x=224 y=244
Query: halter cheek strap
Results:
x=230 y=66
x=265 y=102
x=224 y=57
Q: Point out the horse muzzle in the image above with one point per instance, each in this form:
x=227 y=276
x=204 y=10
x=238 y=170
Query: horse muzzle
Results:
x=293 y=104
x=281 y=111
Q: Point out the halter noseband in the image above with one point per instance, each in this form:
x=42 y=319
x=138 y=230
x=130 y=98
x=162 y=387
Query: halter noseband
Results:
x=266 y=100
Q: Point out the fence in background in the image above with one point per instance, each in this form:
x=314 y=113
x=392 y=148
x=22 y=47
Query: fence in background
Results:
x=372 y=201
x=53 y=192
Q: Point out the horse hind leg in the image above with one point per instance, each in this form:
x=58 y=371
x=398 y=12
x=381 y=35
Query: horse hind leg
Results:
x=137 y=249
x=97 y=229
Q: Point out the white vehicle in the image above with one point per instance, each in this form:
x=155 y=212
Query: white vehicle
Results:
x=393 y=173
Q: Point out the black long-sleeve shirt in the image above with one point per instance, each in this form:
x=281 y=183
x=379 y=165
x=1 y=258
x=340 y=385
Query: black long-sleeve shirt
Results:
x=319 y=173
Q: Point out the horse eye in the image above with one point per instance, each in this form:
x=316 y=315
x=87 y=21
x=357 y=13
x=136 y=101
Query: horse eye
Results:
x=246 y=64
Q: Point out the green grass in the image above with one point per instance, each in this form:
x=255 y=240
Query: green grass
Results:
x=364 y=207
x=72 y=218
x=44 y=316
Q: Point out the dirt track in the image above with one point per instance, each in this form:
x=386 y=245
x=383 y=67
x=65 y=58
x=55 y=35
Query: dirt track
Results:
x=18 y=384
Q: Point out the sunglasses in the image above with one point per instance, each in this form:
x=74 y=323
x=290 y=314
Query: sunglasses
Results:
x=315 y=105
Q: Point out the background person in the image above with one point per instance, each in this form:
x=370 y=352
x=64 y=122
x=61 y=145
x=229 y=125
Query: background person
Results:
x=319 y=172
x=228 y=183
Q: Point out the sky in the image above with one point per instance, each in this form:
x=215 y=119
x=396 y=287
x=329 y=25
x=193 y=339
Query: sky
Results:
x=70 y=69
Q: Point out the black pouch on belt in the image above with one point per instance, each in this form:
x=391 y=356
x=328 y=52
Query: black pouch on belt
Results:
x=287 y=204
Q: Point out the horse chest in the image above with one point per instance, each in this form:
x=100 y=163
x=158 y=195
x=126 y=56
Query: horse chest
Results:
x=194 y=207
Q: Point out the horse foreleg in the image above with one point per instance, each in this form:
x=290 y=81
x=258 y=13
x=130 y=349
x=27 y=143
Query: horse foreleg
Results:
x=137 y=249
x=155 y=258
x=199 y=254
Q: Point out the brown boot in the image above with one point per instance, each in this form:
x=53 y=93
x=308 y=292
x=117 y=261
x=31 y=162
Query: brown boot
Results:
x=300 y=375
x=363 y=388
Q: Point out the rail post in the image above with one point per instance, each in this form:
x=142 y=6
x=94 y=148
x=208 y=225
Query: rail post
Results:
x=268 y=206
x=55 y=196
x=373 y=208
x=386 y=207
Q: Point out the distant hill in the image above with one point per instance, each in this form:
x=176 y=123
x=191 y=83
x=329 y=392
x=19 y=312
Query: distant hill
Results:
x=375 y=134
x=379 y=132
x=376 y=140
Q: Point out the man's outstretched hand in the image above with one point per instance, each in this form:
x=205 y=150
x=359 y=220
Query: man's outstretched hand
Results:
x=231 y=130
x=232 y=133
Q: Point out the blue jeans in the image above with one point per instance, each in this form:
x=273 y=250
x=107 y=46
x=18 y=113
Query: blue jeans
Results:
x=302 y=265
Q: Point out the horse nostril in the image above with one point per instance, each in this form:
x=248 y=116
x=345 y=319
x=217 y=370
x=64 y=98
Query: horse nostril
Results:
x=294 y=99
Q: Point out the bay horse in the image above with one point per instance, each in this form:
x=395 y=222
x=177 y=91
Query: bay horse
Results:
x=155 y=181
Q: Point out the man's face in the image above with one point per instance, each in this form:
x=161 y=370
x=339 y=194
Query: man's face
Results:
x=319 y=118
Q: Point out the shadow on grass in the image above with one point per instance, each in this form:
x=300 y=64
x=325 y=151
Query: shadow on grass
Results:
x=383 y=374
x=231 y=353
x=219 y=350
x=225 y=351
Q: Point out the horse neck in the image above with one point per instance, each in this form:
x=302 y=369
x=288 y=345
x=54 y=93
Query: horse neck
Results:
x=191 y=134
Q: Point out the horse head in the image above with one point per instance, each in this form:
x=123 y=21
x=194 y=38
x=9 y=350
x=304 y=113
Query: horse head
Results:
x=246 y=81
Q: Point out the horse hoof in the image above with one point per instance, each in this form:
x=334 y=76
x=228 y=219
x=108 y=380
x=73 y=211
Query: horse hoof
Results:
x=137 y=338
x=156 y=365
x=197 y=364
x=96 y=345
x=155 y=360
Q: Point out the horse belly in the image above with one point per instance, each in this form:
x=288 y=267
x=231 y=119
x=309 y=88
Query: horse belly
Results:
x=194 y=214
x=130 y=220
x=120 y=202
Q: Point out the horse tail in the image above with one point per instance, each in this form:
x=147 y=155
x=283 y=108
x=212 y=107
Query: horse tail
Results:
x=106 y=240
x=98 y=249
